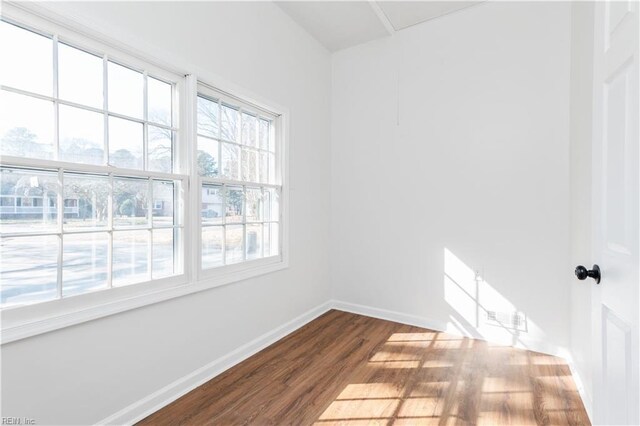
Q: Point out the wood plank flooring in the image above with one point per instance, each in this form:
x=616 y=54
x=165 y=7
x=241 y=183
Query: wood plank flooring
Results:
x=347 y=369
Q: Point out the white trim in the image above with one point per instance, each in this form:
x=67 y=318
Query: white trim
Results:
x=162 y=397
x=387 y=315
x=93 y=169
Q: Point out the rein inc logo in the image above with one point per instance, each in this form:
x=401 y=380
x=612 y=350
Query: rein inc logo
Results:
x=18 y=421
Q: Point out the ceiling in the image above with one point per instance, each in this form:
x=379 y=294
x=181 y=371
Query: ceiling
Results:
x=341 y=24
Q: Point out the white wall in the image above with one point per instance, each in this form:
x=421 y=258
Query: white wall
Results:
x=454 y=135
x=581 y=135
x=82 y=374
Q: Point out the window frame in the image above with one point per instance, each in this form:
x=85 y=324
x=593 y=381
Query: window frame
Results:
x=23 y=321
x=210 y=92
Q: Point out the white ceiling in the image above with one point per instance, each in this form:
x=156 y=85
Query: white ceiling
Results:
x=341 y=24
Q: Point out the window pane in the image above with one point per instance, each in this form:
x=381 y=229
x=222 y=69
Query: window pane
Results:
x=212 y=204
x=254 y=241
x=229 y=123
x=130 y=257
x=125 y=143
x=26 y=126
x=235 y=204
x=234 y=248
x=208 y=115
x=264 y=134
x=264 y=167
x=212 y=246
x=163 y=253
x=81 y=135
x=130 y=202
x=84 y=265
x=274 y=197
x=160 y=150
x=266 y=205
x=207 y=157
x=29 y=269
x=274 y=240
x=86 y=201
x=249 y=130
x=79 y=76
x=230 y=161
x=249 y=165
x=254 y=198
x=27 y=60
x=266 y=242
x=125 y=90
x=29 y=200
x=159 y=105
x=272 y=169
x=163 y=196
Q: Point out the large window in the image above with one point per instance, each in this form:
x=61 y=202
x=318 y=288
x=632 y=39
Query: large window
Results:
x=89 y=196
x=239 y=181
x=123 y=183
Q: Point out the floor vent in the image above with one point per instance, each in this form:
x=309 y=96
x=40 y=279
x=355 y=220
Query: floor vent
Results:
x=510 y=320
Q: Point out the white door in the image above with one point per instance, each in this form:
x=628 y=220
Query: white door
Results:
x=616 y=216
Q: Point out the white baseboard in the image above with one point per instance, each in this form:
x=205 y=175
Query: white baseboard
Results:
x=389 y=315
x=437 y=325
x=162 y=397
x=155 y=401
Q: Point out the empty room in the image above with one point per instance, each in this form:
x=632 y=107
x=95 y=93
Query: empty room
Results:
x=319 y=213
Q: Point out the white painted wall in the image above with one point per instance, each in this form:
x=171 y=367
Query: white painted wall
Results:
x=581 y=135
x=454 y=135
x=82 y=374
x=450 y=152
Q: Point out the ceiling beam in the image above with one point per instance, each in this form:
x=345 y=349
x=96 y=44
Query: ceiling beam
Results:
x=384 y=20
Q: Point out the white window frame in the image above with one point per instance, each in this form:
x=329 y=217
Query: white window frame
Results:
x=20 y=322
x=275 y=119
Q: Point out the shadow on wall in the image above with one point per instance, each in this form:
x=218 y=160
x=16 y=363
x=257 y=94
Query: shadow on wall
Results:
x=479 y=310
x=436 y=378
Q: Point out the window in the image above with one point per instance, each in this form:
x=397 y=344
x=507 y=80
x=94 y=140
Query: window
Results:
x=108 y=201
x=238 y=176
x=89 y=187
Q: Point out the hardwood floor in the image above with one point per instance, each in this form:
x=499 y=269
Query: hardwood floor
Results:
x=346 y=369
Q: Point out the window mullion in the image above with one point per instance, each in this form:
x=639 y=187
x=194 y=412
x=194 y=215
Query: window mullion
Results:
x=190 y=254
x=244 y=222
x=239 y=142
x=110 y=232
x=219 y=138
x=105 y=103
x=60 y=214
x=145 y=125
x=224 y=224
x=56 y=113
x=150 y=206
x=262 y=216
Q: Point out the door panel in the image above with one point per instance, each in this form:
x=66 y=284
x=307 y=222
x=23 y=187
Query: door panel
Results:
x=617 y=342
x=616 y=217
x=617 y=185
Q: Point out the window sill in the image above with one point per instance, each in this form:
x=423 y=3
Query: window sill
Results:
x=26 y=321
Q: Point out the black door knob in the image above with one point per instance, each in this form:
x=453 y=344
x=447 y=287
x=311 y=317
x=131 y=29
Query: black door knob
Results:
x=582 y=273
